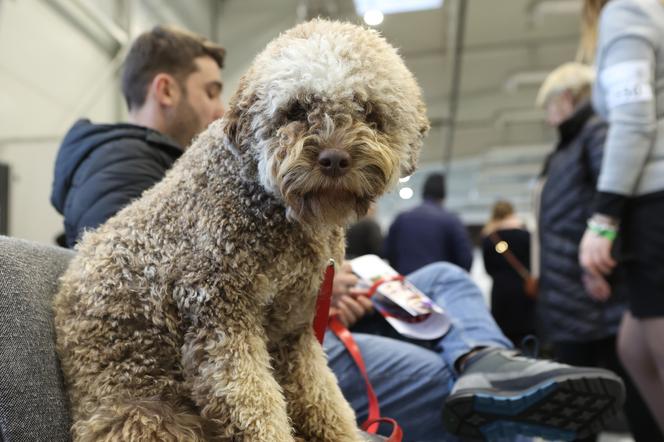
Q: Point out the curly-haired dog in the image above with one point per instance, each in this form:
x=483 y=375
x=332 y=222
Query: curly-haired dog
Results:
x=188 y=316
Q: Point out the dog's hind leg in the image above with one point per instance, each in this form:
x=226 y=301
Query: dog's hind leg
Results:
x=140 y=420
x=319 y=411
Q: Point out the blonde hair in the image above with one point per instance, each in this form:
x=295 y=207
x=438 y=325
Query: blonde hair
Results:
x=589 y=24
x=500 y=211
x=574 y=77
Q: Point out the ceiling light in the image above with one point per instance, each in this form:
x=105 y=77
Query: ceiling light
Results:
x=404 y=179
x=395 y=6
x=373 y=17
x=406 y=193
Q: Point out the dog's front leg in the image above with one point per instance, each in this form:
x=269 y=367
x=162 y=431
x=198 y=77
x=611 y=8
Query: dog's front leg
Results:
x=233 y=384
x=319 y=411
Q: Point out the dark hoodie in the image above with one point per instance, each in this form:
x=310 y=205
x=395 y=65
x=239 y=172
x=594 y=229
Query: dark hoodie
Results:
x=101 y=168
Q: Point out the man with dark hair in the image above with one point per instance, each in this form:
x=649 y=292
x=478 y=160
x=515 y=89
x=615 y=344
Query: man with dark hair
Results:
x=172 y=85
x=428 y=233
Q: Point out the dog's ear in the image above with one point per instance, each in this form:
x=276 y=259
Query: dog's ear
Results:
x=238 y=131
x=409 y=166
x=237 y=120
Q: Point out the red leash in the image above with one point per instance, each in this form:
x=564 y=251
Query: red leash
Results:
x=323 y=302
x=320 y=321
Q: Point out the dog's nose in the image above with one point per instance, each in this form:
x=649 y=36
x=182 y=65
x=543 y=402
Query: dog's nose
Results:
x=334 y=162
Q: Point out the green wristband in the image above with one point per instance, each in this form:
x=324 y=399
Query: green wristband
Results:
x=603 y=230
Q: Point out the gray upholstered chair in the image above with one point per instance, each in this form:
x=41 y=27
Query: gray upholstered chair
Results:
x=33 y=404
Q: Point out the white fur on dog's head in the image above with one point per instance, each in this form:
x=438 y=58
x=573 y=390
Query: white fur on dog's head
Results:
x=324 y=85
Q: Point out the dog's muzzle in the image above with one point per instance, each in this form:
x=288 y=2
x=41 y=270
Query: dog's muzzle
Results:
x=334 y=163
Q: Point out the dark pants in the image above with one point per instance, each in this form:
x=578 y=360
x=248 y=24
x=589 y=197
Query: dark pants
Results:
x=603 y=353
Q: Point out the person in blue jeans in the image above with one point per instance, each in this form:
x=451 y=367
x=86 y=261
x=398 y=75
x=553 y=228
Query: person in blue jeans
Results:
x=488 y=390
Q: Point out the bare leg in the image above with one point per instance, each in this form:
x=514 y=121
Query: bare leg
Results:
x=318 y=408
x=641 y=350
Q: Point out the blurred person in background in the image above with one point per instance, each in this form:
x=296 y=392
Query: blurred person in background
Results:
x=364 y=237
x=428 y=233
x=626 y=40
x=511 y=307
x=578 y=312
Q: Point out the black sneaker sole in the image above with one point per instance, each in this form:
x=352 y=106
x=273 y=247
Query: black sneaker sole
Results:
x=564 y=408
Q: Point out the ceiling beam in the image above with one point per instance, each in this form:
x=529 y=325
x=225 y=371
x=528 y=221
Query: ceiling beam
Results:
x=457 y=26
x=91 y=22
x=509 y=45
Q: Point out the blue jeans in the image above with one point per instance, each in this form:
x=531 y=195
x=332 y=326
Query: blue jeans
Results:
x=412 y=380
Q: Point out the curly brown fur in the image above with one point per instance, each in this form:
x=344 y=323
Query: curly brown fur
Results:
x=188 y=315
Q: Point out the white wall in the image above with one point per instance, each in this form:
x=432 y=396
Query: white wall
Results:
x=47 y=69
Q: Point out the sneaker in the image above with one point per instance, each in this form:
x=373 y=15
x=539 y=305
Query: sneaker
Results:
x=502 y=394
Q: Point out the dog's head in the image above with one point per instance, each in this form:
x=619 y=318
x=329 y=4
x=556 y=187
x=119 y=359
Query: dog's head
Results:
x=327 y=118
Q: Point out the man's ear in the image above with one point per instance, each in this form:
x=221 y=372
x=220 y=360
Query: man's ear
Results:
x=165 y=89
x=409 y=166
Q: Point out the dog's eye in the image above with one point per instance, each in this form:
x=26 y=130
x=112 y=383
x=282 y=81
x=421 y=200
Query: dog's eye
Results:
x=296 y=112
x=373 y=117
x=373 y=120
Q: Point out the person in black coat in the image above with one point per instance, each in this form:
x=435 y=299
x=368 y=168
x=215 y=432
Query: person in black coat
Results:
x=569 y=315
x=511 y=307
x=171 y=82
x=582 y=329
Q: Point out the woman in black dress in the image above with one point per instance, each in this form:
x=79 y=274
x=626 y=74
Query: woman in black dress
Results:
x=513 y=310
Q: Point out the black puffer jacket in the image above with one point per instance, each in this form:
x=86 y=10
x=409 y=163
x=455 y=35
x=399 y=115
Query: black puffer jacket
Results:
x=565 y=310
x=100 y=168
